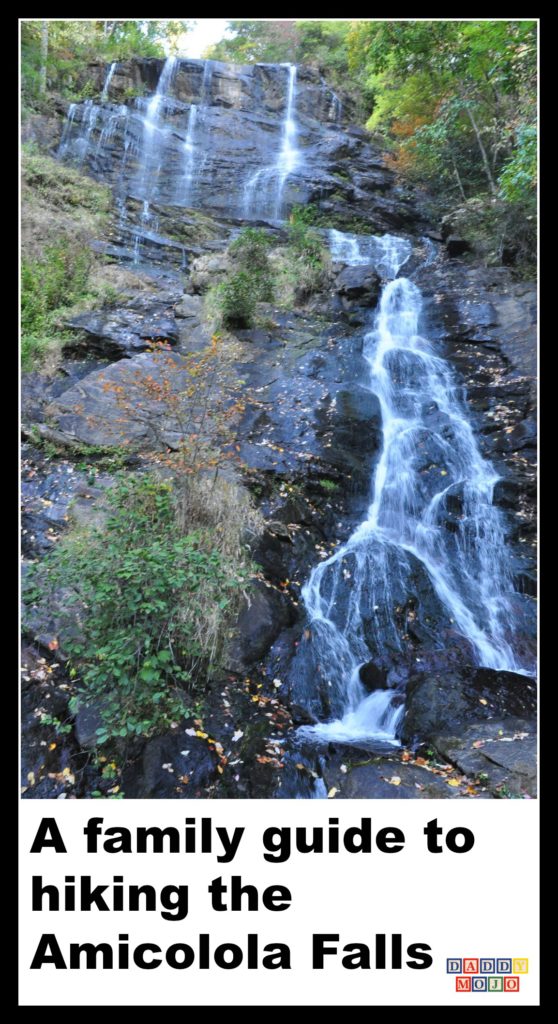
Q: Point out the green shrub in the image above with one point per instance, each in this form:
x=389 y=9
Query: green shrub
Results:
x=250 y=253
x=250 y=248
x=306 y=254
x=518 y=180
x=49 y=286
x=236 y=300
x=141 y=605
x=57 y=280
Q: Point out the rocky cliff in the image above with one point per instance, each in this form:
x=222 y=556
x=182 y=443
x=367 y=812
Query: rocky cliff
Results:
x=193 y=152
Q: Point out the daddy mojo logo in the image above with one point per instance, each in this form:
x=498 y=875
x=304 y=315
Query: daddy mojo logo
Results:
x=487 y=974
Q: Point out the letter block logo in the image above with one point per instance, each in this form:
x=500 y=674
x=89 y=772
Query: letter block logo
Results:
x=471 y=965
x=511 y=984
x=487 y=973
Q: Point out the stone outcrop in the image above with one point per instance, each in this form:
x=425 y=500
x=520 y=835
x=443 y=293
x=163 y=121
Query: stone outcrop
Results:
x=308 y=435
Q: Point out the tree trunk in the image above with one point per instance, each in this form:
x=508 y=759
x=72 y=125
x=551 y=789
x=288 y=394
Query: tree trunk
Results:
x=458 y=177
x=44 y=55
x=486 y=165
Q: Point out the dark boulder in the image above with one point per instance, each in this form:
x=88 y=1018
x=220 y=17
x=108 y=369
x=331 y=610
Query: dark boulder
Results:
x=362 y=283
x=500 y=754
x=373 y=677
x=264 y=614
x=446 y=702
x=171 y=767
x=457 y=246
x=123 y=332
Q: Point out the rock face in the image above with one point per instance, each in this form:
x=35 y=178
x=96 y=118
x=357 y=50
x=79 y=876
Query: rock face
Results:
x=447 y=702
x=308 y=433
x=231 y=118
x=362 y=283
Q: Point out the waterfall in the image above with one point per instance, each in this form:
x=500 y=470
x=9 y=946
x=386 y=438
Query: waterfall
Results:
x=108 y=80
x=189 y=153
x=263 y=192
x=423 y=421
x=195 y=157
x=334 y=105
x=67 y=132
x=152 y=153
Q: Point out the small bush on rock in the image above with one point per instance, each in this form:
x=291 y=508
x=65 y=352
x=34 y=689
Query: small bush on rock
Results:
x=144 y=608
x=236 y=300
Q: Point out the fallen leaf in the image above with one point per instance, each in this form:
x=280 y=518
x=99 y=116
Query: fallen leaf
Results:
x=332 y=793
x=394 y=781
x=452 y=782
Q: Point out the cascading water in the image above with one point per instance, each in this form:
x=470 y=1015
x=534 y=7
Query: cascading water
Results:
x=195 y=157
x=467 y=568
x=334 y=105
x=263 y=193
x=152 y=153
x=108 y=80
x=189 y=152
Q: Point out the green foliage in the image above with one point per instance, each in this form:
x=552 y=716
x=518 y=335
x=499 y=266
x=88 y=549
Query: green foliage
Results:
x=251 y=247
x=49 y=286
x=60 y=728
x=518 y=180
x=140 y=593
x=249 y=282
x=73 y=45
x=62 y=187
x=270 y=42
x=250 y=252
x=303 y=240
x=329 y=485
x=63 y=205
x=54 y=281
x=236 y=300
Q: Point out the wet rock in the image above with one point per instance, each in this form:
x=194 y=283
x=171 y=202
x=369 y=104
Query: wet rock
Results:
x=373 y=677
x=362 y=283
x=260 y=621
x=115 y=406
x=205 y=272
x=88 y=719
x=445 y=703
x=123 y=332
x=457 y=246
x=171 y=767
x=374 y=782
x=301 y=716
x=189 y=308
x=357 y=419
x=501 y=754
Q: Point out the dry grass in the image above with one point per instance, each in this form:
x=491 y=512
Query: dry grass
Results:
x=220 y=506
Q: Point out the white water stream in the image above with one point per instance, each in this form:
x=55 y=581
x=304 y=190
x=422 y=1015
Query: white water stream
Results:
x=263 y=192
x=421 y=411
